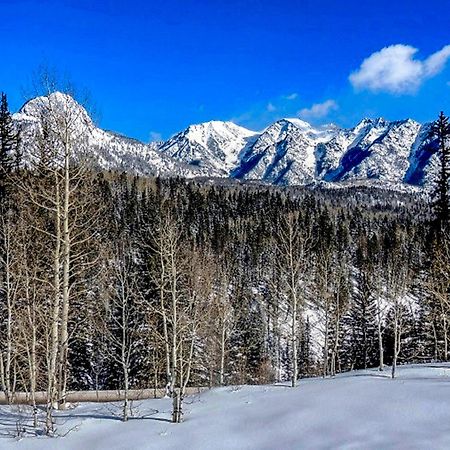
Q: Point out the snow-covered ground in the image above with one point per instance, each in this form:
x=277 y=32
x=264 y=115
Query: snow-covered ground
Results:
x=358 y=410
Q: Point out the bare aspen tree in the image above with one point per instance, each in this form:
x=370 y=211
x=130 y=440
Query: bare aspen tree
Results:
x=155 y=340
x=48 y=276
x=292 y=243
x=6 y=290
x=167 y=275
x=193 y=317
x=30 y=311
x=330 y=302
x=218 y=317
x=165 y=238
x=8 y=287
x=58 y=186
x=223 y=319
x=324 y=300
x=276 y=312
x=380 y=315
x=437 y=286
x=372 y=270
x=339 y=308
x=397 y=278
x=121 y=320
x=182 y=284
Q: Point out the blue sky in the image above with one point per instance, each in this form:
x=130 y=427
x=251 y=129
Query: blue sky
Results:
x=154 y=67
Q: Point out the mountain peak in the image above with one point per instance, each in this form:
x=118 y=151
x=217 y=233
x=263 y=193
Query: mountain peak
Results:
x=59 y=102
x=290 y=151
x=215 y=145
x=34 y=105
x=376 y=122
x=299 y=123
x=219 y=127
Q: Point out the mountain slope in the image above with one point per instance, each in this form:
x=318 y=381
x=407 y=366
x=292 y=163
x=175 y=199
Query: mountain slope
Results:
x=213 y=145
x=288 y=152
x=283 y=153
x=106 y=150
x=291 y=152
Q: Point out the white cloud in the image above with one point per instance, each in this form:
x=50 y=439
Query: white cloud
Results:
x=155 y=136
x=318 y=110
x=292 y=96
x=394 y=69
x=271 y=107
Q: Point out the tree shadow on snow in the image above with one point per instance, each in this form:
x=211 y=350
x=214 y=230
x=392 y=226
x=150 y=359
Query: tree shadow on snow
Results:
x=158 y=419
x=16 y=424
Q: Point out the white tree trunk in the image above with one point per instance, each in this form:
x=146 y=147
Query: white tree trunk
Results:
x=64 y=336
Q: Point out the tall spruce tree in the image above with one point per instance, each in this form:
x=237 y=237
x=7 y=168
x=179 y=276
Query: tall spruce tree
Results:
x=8 y=141
x=441 y=130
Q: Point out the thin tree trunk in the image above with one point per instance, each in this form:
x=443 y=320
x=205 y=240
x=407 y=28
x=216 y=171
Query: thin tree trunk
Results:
x=6 y=376
x=294 y=344
x=278 y=344
x=64 y=338
x=126 y=389
x=335 y=347
x=325 y=346
x=444 y=325
x=436 y=344
x=54 y=319
x=174 y=353
x=380 y=337
x=32 y=363
x=394 y=360
x=222 y=355
x=164 y=318
x=123 y=350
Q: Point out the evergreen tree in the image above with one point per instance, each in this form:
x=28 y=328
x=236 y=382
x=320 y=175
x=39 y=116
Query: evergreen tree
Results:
x=9 y=140
x=441 y=129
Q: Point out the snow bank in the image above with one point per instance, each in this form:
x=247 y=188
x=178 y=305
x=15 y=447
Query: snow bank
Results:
x=358 y=410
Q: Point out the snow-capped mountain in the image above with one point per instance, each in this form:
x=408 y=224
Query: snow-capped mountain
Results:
x=288 y=152
x=292 y=152
x=106 y=150
x=284 y=153
x=213 y=145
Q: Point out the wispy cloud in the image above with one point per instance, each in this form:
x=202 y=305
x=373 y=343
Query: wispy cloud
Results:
x=395 y=70
x=271 y=107
x=292 y=96
x=318 y=110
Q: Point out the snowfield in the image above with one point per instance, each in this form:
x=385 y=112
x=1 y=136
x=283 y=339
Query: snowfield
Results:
x=357 y=410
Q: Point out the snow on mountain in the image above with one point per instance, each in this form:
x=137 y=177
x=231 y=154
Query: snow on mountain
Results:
x=107 y=150
x=288 y=152
x=387 y=156
x=212 y=145
x=282 y=154
x=330 y=154
x=293 y=152
x=423 y=160
x=378 y=150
